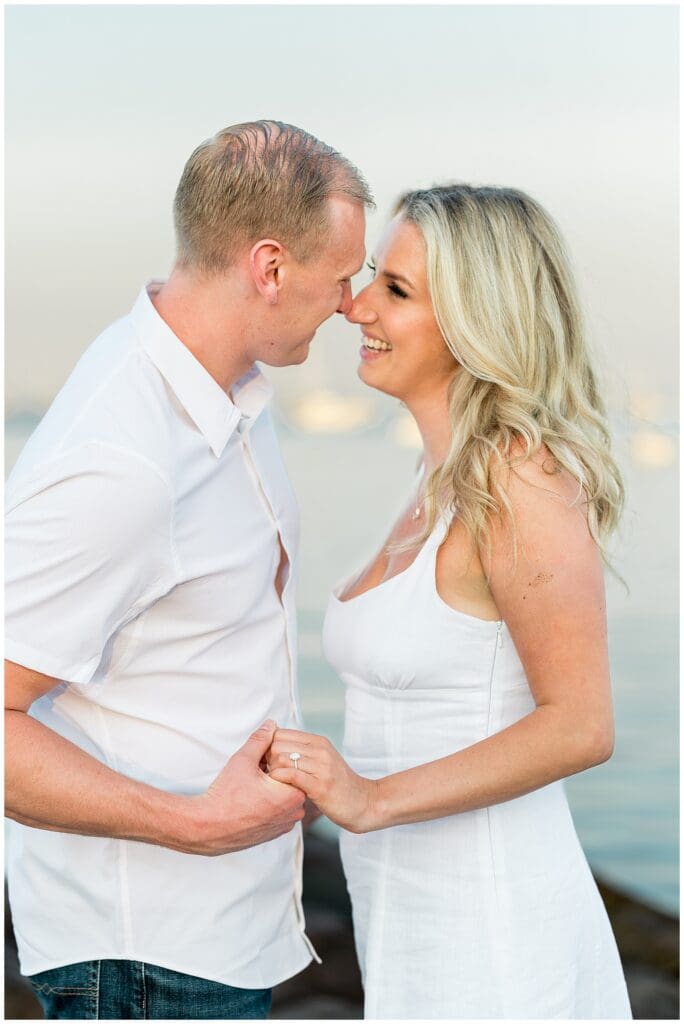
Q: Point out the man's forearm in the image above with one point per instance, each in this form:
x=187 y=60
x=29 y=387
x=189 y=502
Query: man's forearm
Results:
x=83 y=795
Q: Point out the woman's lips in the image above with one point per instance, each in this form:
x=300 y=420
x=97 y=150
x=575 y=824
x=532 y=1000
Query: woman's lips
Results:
x=369 y=355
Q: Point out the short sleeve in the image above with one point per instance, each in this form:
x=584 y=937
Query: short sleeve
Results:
x=88 y=546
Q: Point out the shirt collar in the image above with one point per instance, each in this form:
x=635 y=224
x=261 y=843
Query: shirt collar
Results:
x=212 y=411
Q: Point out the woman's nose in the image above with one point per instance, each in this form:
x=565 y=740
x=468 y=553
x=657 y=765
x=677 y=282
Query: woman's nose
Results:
x=359 y=311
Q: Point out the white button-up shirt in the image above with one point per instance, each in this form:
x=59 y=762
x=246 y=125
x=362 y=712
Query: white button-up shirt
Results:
x=142 y=545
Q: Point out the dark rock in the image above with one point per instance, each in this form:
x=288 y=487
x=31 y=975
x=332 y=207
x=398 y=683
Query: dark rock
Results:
x=335 y=985
x=632 y=920
x=648 y=940
x=653 y=995
x=20 y=1002
x=318 y=1008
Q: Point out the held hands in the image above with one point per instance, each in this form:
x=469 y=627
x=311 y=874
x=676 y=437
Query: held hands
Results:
x=326 y=778
x=243 y=806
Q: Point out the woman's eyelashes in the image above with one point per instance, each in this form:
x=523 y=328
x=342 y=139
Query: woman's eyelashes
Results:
x=396 y=290
x=392 y=286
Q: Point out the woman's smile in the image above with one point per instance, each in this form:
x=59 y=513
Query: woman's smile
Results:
x=373 y=348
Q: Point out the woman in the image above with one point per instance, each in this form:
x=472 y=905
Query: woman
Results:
x=473 y=647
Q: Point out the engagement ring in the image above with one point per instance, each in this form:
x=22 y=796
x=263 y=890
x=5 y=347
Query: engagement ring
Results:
x=294 y=757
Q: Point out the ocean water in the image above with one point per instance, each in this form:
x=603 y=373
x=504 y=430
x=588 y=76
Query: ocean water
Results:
x=625 y=811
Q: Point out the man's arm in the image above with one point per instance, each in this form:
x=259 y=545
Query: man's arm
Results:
x=52 y=784
x=89 y=541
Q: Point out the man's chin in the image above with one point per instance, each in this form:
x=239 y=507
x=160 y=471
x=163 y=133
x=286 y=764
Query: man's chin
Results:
x=294 y=357
x=297 y=356
x=301 y=353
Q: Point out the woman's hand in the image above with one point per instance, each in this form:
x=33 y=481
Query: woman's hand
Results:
x=326 y=778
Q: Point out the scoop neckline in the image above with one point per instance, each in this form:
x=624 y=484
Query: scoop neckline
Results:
x=498 y=623
x=382 y=583
x=346 y=580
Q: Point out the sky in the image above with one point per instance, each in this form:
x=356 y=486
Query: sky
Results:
x=575 y=104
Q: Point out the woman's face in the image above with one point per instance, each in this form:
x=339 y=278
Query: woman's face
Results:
x=403 y=352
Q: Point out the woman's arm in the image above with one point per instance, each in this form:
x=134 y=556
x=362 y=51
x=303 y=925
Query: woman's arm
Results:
x=553 y=603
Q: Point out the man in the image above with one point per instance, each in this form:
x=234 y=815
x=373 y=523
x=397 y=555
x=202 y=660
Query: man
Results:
x=154 y=869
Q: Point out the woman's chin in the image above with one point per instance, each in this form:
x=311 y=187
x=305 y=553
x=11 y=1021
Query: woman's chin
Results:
x=371 y=375
x=366 y=377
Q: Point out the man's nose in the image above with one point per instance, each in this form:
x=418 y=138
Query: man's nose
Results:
x=358 y=310
x=347 y=300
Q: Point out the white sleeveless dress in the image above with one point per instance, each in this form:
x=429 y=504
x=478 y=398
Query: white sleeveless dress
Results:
x=491 y=913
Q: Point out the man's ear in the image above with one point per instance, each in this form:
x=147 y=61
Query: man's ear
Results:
x=266 y=260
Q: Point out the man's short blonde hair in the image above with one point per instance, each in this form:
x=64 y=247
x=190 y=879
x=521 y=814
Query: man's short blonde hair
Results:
x=262 y=179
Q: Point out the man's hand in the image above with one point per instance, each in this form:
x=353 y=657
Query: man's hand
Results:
x=53 y=784
x=243 y=806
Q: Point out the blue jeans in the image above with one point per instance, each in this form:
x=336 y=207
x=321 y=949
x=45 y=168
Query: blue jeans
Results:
x=131 y=990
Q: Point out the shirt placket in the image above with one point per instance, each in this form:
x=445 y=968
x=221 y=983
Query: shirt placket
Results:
x=243 y=430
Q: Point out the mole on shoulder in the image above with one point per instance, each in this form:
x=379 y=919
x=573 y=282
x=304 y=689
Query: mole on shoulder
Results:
x=541 y=577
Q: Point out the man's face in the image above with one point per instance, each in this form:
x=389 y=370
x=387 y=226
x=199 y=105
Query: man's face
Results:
x=314 y=290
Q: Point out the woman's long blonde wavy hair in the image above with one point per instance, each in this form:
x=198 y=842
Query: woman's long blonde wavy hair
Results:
x=505 y=302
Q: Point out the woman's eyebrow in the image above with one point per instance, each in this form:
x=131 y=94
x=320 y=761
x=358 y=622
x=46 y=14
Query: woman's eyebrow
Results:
x=398 y=277
x=390 y=273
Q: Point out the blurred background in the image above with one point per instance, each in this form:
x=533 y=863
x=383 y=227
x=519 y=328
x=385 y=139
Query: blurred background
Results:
x=575 y=104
